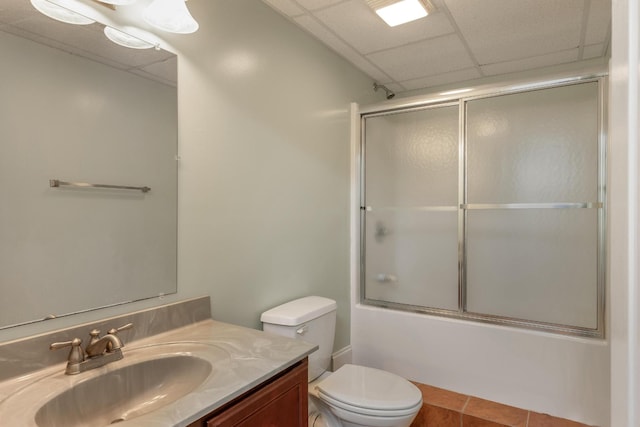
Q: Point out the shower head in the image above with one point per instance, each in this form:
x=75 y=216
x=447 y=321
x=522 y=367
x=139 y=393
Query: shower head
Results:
x=377 y=86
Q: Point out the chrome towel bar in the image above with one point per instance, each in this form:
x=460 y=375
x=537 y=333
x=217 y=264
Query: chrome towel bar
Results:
x=58 y=183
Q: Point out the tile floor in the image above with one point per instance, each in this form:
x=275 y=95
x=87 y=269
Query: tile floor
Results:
x=443 y=408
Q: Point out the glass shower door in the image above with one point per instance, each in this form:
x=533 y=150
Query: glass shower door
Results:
x=489 y=208
x=410 y=208
x=533 y=206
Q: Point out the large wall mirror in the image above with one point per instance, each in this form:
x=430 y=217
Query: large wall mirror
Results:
x=76 y=107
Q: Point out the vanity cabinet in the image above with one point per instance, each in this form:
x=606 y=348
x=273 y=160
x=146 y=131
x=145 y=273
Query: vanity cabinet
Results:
x=279 y=402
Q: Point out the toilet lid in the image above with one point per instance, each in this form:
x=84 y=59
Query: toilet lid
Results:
x=369 y=388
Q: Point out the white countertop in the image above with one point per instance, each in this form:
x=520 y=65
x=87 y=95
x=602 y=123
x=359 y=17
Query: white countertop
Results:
x=241 y=359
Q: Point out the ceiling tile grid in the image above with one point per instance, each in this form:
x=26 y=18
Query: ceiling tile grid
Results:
x=504 y=30
x=317 y=4
x=442 y=79
x=424 y=58
x=356 y=23
x=529 y=63
x=460 y=40
x=330 y=39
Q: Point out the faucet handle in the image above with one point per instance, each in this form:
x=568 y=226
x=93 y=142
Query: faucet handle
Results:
x=114 y=332
x=95 y=336
x=121 y=328
x=76 y=355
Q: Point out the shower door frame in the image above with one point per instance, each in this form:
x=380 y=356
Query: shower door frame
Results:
x=450 y=99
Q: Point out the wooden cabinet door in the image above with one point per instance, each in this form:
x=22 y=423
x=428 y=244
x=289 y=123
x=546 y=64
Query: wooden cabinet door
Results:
x=281 y=403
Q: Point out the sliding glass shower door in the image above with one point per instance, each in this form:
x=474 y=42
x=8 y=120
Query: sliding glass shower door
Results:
x=489 y=208
x=411 y=203
x=532 y=205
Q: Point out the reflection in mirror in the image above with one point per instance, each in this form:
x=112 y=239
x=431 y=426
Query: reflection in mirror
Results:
x=76 y=107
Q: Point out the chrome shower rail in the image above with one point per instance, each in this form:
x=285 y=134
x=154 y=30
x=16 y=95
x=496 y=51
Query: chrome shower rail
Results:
x=489 y=206
x=58 y=183
x=410 y=208
x=558 y=205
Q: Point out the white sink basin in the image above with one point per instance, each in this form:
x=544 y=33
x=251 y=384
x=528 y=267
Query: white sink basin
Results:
x=147 y=380
x=125 y=393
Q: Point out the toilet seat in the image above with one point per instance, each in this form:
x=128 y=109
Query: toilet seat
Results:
x=370 y=391
x=377 y=413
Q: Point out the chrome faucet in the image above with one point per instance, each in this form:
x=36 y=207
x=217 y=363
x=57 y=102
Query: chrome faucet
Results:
x=99 y=351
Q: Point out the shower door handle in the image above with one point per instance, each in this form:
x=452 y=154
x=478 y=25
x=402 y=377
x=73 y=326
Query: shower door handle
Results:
x=386 y=278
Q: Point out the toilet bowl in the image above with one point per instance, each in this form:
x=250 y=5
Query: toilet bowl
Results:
x=362 y=396
x=352 y=396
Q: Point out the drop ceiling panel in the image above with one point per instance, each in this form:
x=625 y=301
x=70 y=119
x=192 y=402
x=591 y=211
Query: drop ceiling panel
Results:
x=317 y=4
x=425 y=58
x=359 y=26
x=531 y=63
x=442 y=79
x=461 y=40
x=499 y=30
x=335 y=43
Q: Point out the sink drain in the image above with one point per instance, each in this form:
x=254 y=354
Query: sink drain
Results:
x=117 y=420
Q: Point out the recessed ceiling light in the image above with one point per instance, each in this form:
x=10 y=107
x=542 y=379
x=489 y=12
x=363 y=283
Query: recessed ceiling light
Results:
x=396 y=12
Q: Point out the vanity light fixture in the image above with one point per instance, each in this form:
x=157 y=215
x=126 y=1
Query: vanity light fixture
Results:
x=396 y=12
x=166 y=15
x=171 y=16
x=117 y=2
x=126 y=40
x=62 y=13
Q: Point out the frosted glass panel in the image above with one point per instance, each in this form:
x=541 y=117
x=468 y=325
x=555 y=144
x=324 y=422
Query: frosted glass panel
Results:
x=412 y=258
x=536 y=265
x=539 y=146
x=527 y=214
x=412 y=158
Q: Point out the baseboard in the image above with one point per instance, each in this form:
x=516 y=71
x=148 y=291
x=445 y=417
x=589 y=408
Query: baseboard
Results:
x=341 y=357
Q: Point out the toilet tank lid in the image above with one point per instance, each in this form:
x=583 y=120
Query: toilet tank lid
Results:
x=298 y=311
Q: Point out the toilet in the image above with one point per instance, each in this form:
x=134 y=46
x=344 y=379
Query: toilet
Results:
x=352 y=396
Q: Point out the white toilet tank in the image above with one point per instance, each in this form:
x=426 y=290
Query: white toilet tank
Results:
x=312 y=319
